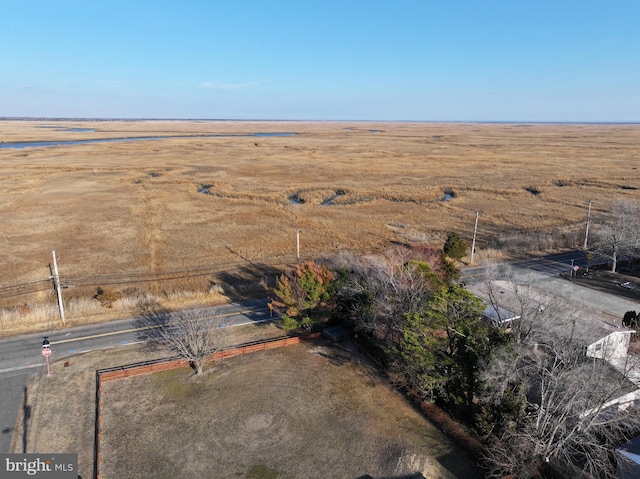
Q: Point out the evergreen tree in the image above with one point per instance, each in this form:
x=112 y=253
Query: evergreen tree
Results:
x=454 y=246
x=302 y=294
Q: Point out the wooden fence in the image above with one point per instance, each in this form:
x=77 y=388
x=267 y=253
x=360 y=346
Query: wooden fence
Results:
x=166 y=364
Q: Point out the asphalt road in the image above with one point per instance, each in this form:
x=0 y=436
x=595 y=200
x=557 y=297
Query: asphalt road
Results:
x=544 y=274
x=550 y=266
x=11 y=389
x=21 y=356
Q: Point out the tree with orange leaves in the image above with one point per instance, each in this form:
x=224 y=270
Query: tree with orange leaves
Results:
x=303 y=294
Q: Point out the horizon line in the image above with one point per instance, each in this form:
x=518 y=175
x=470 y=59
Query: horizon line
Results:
x=73 y=118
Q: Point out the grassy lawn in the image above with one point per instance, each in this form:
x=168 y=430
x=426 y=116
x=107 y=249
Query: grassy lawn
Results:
x=305 y=411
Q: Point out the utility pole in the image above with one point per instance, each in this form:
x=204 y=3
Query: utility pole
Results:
x=56 y=280
x=586 y=233
x=298 y=243
x=473 y=243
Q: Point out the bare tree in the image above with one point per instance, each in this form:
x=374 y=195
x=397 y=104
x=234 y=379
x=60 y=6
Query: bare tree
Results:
x=617 y=232
x=570 y=422
x=546 y=405
x=386 y=287
x=192 y=334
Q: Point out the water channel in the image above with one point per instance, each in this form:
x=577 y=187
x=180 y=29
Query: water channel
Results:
x=39 y=144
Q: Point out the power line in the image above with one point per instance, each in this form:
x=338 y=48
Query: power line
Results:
x=22 y=285
x=12 y=293
x=139 y=277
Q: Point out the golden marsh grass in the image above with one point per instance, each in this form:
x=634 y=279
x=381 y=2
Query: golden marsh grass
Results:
x=128 y=207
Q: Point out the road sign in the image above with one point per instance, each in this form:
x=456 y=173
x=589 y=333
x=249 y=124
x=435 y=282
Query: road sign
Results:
x=46 y=352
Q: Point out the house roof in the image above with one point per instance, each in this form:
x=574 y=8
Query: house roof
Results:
x=631 y=449
x=584 y=325
x=499 y=315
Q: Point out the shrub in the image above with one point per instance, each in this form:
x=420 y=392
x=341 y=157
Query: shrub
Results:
x=305 y=295
x=630 y=319
x=107 y=296
x=454 y=246
x=288 y=323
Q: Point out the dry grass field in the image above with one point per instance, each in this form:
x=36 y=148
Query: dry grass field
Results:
x=305 y=411
x=115 y=212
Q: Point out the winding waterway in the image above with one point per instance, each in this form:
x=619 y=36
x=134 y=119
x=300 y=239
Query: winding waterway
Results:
x=40 y=144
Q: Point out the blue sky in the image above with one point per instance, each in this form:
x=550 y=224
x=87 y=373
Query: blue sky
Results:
x=446 y=60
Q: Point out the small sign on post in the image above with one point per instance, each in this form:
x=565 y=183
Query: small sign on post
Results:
x=46 y=352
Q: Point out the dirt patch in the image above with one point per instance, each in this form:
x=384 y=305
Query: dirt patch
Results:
x=312 y=411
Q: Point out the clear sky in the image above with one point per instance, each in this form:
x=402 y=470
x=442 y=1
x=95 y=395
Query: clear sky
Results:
x=443 y=60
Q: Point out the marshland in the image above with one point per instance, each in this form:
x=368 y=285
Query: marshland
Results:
x=211 y=211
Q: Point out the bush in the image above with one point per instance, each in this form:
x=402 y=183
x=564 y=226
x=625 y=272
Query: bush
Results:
x=630 y=319
x=304 y=295
x=454 y=246
x=287 y=323
x=107 y=296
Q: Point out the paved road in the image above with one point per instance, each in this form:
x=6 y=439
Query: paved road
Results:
x=545 y=272
x=11 y=388
x=20 y=357
x=550 y=266
x=612 y=306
